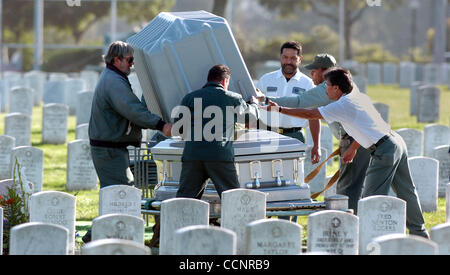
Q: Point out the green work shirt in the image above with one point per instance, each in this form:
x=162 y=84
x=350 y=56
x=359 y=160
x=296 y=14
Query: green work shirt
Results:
x=218 y=102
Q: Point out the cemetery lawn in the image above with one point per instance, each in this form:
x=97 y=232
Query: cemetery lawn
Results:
x=55 y=156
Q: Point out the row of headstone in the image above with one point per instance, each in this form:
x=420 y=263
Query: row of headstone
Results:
x=47 y=87
x=185 y=231
x=422 y=143
x=54 y=119
x=119 y=209
x=379 y=227
x=404 y=74
x=80 y=174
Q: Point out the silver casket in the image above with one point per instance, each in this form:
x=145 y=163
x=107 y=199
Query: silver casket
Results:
x=174 y=53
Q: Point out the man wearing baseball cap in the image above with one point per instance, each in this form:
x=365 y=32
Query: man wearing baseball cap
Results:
x=351 y=175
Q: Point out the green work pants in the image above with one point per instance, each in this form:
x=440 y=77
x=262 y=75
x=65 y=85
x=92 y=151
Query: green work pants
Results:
x=389 y=167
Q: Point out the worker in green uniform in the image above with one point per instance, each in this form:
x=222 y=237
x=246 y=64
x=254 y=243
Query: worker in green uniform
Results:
x=210 y=154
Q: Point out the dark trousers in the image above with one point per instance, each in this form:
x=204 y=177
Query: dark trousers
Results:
x=352 y=175
x=112 y=166
x=195 y=173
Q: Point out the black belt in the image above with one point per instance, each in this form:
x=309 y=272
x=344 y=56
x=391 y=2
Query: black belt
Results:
x=109 y=144
x=289 y=130
x=379 y=142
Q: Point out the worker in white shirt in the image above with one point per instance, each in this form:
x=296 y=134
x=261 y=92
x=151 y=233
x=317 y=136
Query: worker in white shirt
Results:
x=388 y=165
x=289 y=81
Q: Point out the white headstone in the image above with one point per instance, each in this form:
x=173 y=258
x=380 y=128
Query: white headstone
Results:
x=378 y=216
x=425 y=175
x=21 y=100
x=54 y=123
x=440 y=234
x=7 y=144
x=361 y=83
x=373 y=73
x=18 y=125
x=389 y=73
x=414 y=98
x=84 y=105
x=121 y=199
x=178 y=213
x=118 y=226
x=442 y=154
x=239 y=208
x=428 y=104
x=1 y=231
x=91 y=78
x=36 y=238
x=414 y=141
x=435 y=135
x=55 y=92
x=31 y=160
x=432 y=74
x=274 y=237
x=407 y=74
x=55 y=76
x=81 y=174
x=318 y=182
x=447 y=204
x=401 y=244
x=56 y=208
x=5 y=185
x=334 y=232
x=35 y=80
x=72 y=87
x=114 y=247
x=383 y=109
x=4 y=96
x=10 y=80
x=204 y=240
x=81 y=132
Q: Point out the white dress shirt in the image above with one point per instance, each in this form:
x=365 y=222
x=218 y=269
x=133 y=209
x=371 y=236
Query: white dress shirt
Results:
x=274 y=84
x=358 y=116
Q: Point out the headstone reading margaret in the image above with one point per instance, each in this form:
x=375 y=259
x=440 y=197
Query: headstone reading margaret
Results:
x=273 y=237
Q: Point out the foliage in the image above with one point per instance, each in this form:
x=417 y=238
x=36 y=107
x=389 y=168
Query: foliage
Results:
x=353 y=12
x=321 y=39
x=143 y=11
x=70 y=60
x=15 y=206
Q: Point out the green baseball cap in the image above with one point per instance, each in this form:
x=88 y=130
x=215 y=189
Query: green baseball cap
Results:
x=322 y=61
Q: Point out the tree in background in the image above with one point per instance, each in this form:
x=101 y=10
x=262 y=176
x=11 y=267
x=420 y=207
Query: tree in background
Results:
x=354 y=9
x=66 y=24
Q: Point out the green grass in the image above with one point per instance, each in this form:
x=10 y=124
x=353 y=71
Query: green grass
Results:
x=55 y=156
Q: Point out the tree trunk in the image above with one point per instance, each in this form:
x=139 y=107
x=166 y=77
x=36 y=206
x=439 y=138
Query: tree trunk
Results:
x=219 y=7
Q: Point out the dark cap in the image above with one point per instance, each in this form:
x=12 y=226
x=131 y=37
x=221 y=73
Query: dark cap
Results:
x=322 y=61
